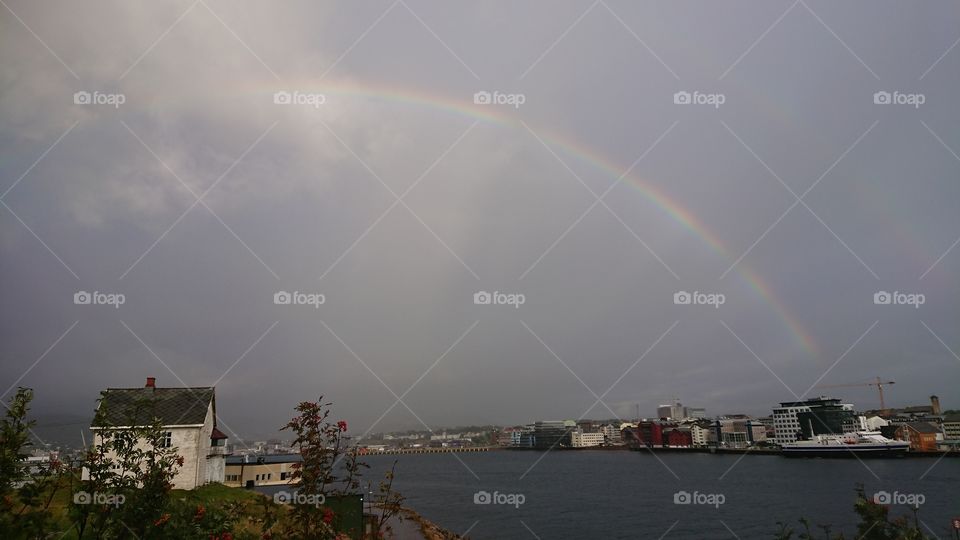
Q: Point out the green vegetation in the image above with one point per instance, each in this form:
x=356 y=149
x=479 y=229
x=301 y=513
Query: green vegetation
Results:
x=122 y=487
x=875 y=524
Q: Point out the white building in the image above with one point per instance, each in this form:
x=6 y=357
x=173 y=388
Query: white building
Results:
x=189 y=424
x=874 y=423
x=672 y=411
x=611 y=434
x=700 y=434
x=579 y=439
x=785 y=422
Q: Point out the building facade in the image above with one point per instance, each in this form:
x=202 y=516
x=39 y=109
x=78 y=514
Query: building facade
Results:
x=581 y=439
x=921 y=435
x=792 y=420
x=189 y=421
x=552 y=433
x=252 y=471
x=951 y=427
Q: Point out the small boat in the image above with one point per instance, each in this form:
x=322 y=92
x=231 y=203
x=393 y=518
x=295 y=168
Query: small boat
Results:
x=858 y=443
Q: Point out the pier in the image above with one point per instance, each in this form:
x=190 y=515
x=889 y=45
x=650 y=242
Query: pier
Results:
x=425 y=450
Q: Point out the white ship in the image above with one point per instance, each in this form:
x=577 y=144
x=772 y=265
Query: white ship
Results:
x=857 y=443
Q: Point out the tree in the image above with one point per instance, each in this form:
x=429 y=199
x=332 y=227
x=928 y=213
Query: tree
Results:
x=329 y=466
x=875 y=524
x=14 y=438
x=388 y=501
x=26 y=492
x=129 y=474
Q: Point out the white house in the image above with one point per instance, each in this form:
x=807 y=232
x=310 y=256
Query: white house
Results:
x=189 y=418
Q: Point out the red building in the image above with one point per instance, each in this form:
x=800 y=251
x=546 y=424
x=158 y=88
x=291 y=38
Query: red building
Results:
x=679 y=437
x=649 y=433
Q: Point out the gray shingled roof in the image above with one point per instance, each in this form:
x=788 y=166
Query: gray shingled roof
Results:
x=172 y=406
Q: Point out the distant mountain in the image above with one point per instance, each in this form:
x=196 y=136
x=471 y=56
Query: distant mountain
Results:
x=61 y=430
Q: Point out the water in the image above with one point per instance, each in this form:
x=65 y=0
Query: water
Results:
x=620 y=494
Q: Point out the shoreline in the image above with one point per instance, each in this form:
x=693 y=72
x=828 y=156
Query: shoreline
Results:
x=429 y=529
x=654 y=449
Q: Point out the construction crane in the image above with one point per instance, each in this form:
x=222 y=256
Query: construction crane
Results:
x=878 y=383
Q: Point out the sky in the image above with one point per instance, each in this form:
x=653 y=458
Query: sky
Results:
x=727 y=206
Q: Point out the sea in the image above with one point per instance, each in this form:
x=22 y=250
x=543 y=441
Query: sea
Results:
x=638 y=494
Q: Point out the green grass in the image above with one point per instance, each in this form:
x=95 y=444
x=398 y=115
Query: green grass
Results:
x=216 y=494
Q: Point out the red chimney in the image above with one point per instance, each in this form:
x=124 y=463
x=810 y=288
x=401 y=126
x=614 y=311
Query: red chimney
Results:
x=151 y=382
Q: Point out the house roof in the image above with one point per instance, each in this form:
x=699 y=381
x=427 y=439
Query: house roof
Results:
x=139 y=406
x=922 y=427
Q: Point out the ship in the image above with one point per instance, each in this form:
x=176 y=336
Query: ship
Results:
x=859 y=444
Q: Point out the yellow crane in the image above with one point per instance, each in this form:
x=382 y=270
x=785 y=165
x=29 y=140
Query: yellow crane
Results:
x=878 y=383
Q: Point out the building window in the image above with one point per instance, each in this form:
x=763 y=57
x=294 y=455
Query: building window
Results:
x=269 y=475
x=283 y=476
x=167 y=440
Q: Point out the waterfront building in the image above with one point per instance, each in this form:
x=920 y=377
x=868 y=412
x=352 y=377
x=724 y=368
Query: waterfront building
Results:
x=749 y=431
x=767 y=423
x=734 y=439
x=552 y=433
x=646 y=433
x=921 y=435
x=525 y=438
x=581 y=439
x=951 y=427
x=508 y=436
x=829 y=416
x=700 y=434
x=611 y=434
x=826 y=415
x=679 y=436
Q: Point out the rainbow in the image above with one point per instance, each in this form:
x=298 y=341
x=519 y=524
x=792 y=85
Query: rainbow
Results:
x=591 y=156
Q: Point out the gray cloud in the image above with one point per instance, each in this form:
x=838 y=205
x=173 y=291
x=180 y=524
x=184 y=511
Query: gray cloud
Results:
x=301 y=202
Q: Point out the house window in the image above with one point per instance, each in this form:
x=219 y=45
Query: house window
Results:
x=269 y=475
x=283 y=476
x=167 y=440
